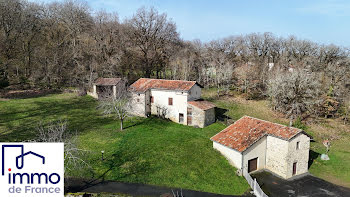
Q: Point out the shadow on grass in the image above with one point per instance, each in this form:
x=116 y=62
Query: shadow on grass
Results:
x=23 y=94
x=122 y=166
x=134 y=123
x=312 y=156
x=21 y=125
x=220 y=114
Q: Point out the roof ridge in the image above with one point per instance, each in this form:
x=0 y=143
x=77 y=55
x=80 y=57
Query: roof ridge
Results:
x=269 y=122
x=169 y=79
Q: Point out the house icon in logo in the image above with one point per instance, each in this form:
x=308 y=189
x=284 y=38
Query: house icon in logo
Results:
x=20 y=158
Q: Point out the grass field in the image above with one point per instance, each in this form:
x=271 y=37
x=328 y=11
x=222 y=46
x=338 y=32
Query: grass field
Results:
x=160 y=152
x=151 y=151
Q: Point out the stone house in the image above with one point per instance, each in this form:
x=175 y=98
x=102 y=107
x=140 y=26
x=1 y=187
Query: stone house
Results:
x=253 y=144
x=105 y=86
x=176 y=100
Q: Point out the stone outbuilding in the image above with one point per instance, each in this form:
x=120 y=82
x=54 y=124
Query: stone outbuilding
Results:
x=252 y=144
x=105 y=86
x=201 y=113
x=176 y=100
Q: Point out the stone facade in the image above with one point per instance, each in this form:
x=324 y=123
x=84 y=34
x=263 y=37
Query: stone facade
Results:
x=280 y=160
x=209 y=117
x=275 y=154
x=138 y=104
x=299 y=155
x=202 y=118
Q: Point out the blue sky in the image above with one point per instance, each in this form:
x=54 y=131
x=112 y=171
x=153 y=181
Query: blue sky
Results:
x=322 y=21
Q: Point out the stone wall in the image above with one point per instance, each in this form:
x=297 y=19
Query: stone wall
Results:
x=198 y=117
x=281 y=155
x=301 y=155
x=209 y=117
x=276 y=155
x=138 y=104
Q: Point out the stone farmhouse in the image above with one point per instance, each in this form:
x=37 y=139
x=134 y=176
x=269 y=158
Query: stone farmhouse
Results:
x=176 y=100
x=104 y=86
x=253 y=144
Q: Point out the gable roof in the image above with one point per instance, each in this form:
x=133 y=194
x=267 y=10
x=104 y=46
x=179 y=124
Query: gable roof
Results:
x=144 y=84
x=107 y=81
x=246 y=131
x=204 y=105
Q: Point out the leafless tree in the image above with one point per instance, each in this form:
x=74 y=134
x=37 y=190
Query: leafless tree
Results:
x=295 y=93
x=162 y=111
x=151 y=35
x=118 y=103
x=58 y=132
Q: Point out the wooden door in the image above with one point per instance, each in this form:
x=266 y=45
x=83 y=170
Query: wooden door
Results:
x=252 y=164
x=189 y=120
x=189 y=116
x=294 y=168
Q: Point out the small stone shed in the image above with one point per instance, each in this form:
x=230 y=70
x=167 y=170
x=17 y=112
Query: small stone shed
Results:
x=202 y=114
x=251 y=144
x=104 y=86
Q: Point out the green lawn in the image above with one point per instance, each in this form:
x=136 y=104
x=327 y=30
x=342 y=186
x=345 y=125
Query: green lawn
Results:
x=151 y=151
x=160 y=152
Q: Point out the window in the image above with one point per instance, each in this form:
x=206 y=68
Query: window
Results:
x=170 y=101
x=181 y=118
x=298 y=145
x=138 y=100
x=189 y=111
x=152 y=99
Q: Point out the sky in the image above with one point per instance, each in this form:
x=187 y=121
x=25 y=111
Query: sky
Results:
x=321 y=21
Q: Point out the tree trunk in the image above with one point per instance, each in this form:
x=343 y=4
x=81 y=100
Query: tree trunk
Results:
x=291 y=121
x=121 y=124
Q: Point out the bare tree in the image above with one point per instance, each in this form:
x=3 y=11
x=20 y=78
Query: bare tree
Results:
x=117 y=103
x=151 y=35
x=58 y=132
x=295 y=93
x=162 y=111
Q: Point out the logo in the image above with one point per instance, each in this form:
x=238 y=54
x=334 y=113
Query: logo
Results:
x=32 y=169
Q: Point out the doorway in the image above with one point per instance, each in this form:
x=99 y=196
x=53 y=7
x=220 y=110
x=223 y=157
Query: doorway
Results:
x=181 y=118
x=294 y=168
x=252 y=164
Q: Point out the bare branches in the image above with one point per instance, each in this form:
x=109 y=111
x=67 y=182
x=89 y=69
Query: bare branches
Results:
x=295 y=93
x=58 y=132
x=116 y=102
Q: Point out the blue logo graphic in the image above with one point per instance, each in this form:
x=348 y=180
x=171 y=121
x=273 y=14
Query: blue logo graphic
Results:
x=19 y=165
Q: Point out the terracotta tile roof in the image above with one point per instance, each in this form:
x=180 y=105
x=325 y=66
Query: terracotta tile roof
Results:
x=144 y=84
x=204 y=105
x=248 y=130
x=107 y=81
